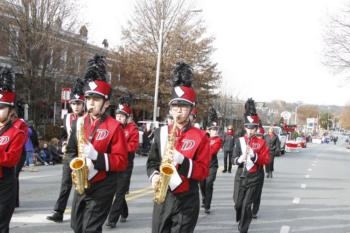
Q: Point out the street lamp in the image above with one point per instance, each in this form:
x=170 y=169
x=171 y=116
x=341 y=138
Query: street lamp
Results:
x=159 y=56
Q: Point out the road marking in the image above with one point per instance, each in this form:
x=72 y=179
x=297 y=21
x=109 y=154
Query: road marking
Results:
x=34 y=218
x=129 y=198
x=285 y=229
x=303 y=186
x=310 y=169
x=296 y=200
x=307 y=176
x=313 y=165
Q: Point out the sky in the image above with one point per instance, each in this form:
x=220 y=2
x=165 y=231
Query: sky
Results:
x=265 y=49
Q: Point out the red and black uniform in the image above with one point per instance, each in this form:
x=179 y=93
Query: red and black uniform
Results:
x=21 y=125
x=207 y=185
x=120 y=206
x=66 y=181
x=246 y=187
x=90 y=210
x=179 y=212
x=12 y=141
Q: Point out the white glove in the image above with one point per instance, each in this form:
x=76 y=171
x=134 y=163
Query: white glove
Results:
x=155 y=180
x=240 y=159
x=90 y=152
x=178 y=157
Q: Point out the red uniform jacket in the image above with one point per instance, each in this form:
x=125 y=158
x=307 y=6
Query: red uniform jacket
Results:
x=193 y=143
x=215 y=145
x=261 y=152
x=11 y=147
x=20 y=124
x=108 y=141
x=132 y=137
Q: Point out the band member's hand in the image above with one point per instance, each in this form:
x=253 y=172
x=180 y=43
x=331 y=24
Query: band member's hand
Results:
x=241 y=159
x=178 y=157
x=155 y=180
x=90 y=152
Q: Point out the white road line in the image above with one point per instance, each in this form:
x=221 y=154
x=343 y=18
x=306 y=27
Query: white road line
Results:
x=303 y=186
x=307 y=176
x=313 y=164
x=34 y=218
x=296 y=200
x=310 y=169
x=285 y=229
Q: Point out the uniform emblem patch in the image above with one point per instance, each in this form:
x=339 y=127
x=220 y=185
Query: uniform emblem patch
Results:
x=102 y=134
x=4 y=140
x=187 y=144
x=256 y=145
x=92 y=85
x=179 y=92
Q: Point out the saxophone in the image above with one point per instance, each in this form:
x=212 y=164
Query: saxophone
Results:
x=166 y=168
x=80 y=171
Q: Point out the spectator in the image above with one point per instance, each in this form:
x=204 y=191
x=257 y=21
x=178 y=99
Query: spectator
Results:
x=30 y=146
x=228 y=149
x=54 y=151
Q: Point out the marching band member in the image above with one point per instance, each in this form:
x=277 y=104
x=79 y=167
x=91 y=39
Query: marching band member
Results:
x=12 y=141
x=76 y=103
x=251 y=154
x=207 y=185
x=179 y=212
x=120 y=207
x=256 y=202
x=105 y=152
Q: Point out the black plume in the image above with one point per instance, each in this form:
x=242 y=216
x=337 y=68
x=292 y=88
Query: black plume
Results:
x=212 y=115
x=250 y=109
x=7 y=79
x=182 y=75
x=96 y=69
x=125 y=100
x=78 y=88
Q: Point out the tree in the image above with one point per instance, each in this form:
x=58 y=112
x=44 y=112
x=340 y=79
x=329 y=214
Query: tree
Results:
x=185 y=38
x=325 y=120
x=307 y=111
x=345 y=118
x=35 y=31
x=337 y=41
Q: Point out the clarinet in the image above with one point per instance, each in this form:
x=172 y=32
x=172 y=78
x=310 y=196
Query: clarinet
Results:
x=245 y=171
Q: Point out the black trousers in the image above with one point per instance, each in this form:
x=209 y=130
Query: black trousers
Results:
x=18 y=170
x=178 y=214
x=207 y=187
x=228 y=155
x=66 y=186
x=257 y=198
x=90 y=210
x=236 y=184
x=246 y=193
x=7 y=201
x=270 y=166
x=120 y=206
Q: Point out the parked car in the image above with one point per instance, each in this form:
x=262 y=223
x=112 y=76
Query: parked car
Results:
x=282 y=136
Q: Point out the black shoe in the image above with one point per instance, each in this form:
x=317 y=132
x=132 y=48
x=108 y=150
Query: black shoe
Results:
x=223 y=171
x=55 y=217
x=207 y=211
x=111 y=224
x=122 y=219
x=254 y=216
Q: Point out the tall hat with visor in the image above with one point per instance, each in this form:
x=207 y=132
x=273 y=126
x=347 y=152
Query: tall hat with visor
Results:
x=7 y=86
x=95 y=78
x=260 y=131
x=251 y=119
x=124 y=105
x=213 y=119
x=182 y=92
x=77 y=93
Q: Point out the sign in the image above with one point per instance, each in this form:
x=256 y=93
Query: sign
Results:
x=65 y=94
x=311 y=123
x=286 y=115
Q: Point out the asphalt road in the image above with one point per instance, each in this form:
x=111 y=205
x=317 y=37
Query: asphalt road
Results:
x=310 y=192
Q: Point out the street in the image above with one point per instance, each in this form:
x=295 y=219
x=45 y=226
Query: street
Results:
x=309 y=193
